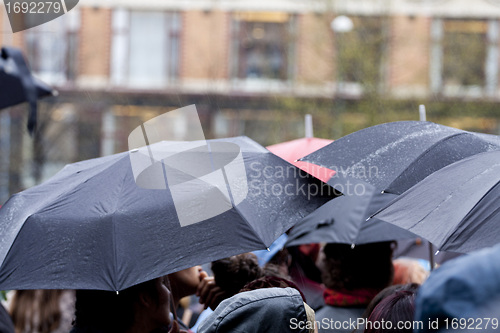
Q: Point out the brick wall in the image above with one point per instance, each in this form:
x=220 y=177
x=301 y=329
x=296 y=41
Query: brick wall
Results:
x=409 y=51
x=315 y=51
x=205 y=44
x=95 y=42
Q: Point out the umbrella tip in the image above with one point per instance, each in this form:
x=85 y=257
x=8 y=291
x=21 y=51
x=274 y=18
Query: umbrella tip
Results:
x=436 y=253
x=134 y=150
x=352 y=246
x=368 y=219
x=117 y=292
x=268 y=249
x=382 y=192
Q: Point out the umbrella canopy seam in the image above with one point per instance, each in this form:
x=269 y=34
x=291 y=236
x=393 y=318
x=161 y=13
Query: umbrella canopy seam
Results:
x=447 y=197
x=114 y=235
x=44 y=206
x=377 y=152
x=425 y=153
x=456 y=234
x=250 y=225
x=65 y=243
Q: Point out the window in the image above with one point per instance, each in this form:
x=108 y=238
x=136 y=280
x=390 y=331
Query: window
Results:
x=360 y=54
x=262 y=46
x=464 y=57
x=145 y=51
x=51 y=48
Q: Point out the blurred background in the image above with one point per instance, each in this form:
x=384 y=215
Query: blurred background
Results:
x=251 y=67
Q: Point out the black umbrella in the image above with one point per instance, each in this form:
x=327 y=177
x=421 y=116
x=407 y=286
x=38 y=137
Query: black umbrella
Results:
x=17 y=85
x=92 y=227
x=395 y=156
x=343 y=220
x=456 y=208
x=421 y=249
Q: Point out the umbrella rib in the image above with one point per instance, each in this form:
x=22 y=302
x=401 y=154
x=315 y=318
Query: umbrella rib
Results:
x=249 y=224
x=114 y=234
x=455 y=235
x=377 y=152
x=358 y=231
x=450 y=194
x=49 y=202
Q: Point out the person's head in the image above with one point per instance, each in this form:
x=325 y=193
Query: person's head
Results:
x=145 y=306
x=184 y=283
x=232 y=273
x=413 y=287
x=408 y=270
x=304 y=259
x=279 y=264
x=362 y=266
x=398 y=309
x=261 y=310
x=271 y=282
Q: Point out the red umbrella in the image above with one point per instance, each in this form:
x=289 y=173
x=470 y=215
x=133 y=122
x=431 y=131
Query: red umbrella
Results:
x=291 y=151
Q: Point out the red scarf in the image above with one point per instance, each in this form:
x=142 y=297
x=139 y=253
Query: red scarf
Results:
x=345 y=298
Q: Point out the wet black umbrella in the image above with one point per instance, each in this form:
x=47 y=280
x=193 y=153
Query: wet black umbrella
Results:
x=92 y=227
x=456 y=208
x=395 y=156
x=343 y=220
x=17 y=85
x=422 y=249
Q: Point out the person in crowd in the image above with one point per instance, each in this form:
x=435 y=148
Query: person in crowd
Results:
x=279 y=265
x=407 y=270
x=393 y=313
x=304 y=272
x=42 y=311
x=353 y=276
x=230 y=275
x=141 y=308
x=185 y=283
x=261 y=310
x=271 y=281
x=413 y=287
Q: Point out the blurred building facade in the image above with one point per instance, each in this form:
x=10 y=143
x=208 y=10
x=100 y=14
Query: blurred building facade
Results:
x=252 y=68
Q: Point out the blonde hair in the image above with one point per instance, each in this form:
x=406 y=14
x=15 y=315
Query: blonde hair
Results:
x=408 y=270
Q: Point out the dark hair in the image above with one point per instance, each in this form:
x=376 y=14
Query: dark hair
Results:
x=108 y=311
x=364 y=266
x=396 y=308
x=305 y=263
x=232 y=273
x=271 y=282
x=413 y=287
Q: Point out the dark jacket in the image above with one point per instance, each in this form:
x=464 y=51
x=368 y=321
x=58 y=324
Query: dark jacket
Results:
x=6 y=325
